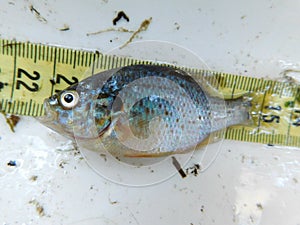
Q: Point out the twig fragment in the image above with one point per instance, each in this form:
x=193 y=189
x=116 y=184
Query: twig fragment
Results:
x=120 y=29
x=178 y=167
x=37 y=14
x=11 y=120
x=65 y=28
x=143 y=27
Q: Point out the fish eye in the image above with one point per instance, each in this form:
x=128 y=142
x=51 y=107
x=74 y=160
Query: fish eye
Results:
x=69 y=99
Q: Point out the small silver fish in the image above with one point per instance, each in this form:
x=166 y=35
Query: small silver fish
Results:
x=141 y=111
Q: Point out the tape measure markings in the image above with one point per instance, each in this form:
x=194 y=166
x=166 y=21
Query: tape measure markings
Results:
x=14 y=73
x=291 y=116
x=52 y=69
x=261 y=110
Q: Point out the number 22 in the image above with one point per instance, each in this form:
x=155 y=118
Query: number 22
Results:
x=34 y=87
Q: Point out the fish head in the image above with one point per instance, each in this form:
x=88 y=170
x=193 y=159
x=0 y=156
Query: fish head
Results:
x=59 y=111
x=76 y=113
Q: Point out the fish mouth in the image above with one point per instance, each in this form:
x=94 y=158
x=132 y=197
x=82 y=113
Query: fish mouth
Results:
x=50 y=115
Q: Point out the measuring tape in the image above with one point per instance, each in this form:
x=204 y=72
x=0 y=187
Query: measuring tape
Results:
x=29 y=73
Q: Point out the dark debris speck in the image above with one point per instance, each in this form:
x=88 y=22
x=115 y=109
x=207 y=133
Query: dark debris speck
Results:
x=194 y=170
x=259 y=206
x=120 y=15
x=202 y=208
x=33 y=178
x=39 y=208
x=12 y=163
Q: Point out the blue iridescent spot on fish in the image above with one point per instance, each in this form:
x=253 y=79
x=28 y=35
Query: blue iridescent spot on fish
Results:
x=141 y=111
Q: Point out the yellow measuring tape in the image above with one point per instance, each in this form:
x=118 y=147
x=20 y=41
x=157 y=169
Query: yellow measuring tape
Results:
x=29 y=73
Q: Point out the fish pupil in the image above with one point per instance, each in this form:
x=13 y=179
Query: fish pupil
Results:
x=68 y=98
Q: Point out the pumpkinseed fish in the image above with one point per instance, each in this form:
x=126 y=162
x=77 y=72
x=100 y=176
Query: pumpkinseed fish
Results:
x=141 y=111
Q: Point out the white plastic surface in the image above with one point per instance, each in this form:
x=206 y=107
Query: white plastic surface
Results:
x=247 y=184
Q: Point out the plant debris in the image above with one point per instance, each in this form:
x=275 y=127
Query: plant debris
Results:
x=39 y=208
x=193 y=170
x=37 y=14
x=62 y=164
x=112 y=202
x=143 y=27
x=120 y=15
x=177 y=26
x=120 y=29
x=11 y=120
x=65 y=28
x=178 y=167
x=298 y=95
x=103 y=156
x=290 y=104
x=259 y=206
x=33 y=178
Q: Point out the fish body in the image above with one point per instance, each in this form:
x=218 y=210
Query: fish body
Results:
x=142 y=111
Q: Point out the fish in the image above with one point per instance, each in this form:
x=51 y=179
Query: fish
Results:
x=142 y=111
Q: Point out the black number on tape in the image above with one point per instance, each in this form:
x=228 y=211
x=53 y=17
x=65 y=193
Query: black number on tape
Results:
x=271 y=118
x=34 y=87
x=60 y=78
x=278 y=108
x=31 y=77
x=297 y=120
